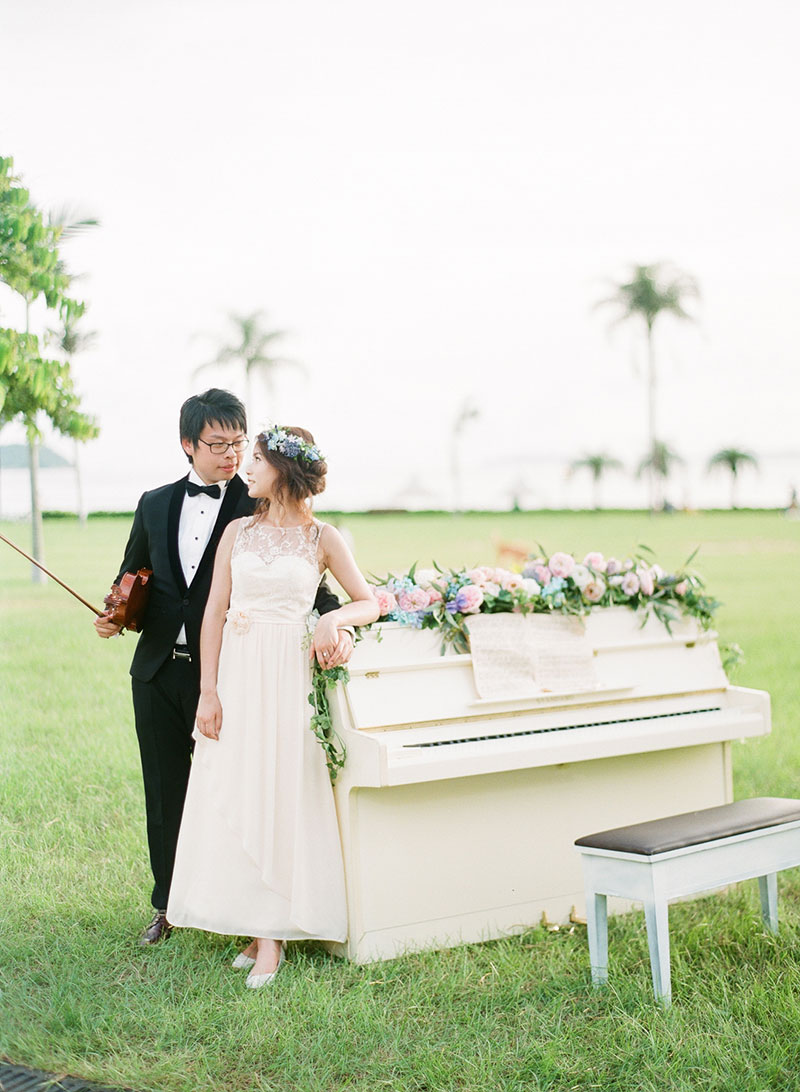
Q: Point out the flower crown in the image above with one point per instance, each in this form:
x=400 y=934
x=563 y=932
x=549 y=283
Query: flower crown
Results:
x=286 y=443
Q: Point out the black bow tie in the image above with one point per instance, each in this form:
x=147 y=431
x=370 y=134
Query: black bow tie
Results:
x=210 y=490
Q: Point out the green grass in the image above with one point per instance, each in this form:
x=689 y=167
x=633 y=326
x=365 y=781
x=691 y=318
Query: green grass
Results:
x=79 y=996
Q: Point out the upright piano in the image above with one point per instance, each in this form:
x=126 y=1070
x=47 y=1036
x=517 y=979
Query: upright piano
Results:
x=458 y=814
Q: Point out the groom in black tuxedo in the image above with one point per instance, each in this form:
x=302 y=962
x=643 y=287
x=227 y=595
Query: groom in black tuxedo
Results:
x=176 y=530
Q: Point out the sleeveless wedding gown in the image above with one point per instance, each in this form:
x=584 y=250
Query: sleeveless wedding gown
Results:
x=259 y=851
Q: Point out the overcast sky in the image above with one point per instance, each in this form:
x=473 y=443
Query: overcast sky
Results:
x=428 y=197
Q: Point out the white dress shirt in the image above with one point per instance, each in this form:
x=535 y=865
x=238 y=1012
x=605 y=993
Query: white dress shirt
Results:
x=198 y=516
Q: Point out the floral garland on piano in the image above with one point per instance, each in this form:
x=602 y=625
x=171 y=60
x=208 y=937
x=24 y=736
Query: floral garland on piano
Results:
x=445 y=598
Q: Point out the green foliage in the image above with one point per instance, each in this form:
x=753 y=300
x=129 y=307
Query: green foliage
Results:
x=30 y=266
x=30 y=384
x=652 y=290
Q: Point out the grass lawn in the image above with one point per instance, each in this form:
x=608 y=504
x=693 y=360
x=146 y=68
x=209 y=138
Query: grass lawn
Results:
x=79 y=996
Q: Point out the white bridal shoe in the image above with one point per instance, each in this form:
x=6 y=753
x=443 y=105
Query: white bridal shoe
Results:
x=256 y=981
x=242 y=960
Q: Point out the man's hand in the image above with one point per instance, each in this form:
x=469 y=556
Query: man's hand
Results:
x=104 y=627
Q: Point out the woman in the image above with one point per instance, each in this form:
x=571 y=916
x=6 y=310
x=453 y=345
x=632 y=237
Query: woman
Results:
x=258 y=852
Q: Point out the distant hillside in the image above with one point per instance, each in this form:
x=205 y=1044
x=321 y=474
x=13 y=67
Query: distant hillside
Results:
x=15 y=457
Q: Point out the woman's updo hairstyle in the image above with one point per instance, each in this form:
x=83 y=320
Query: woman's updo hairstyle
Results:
x=299 y=477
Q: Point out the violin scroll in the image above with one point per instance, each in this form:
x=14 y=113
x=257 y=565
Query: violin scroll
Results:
x=127 y=601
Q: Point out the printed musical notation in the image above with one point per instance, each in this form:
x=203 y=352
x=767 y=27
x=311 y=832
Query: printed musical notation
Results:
x=515 y=655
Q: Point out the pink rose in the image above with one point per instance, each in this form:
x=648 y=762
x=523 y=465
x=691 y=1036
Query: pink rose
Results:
x=595 y=561
x=682 y=587
x=561 y=564
x=594 y=591
x=613 y=566
x=434 y=595
x=386 y=601
x=509 y=581
x=416 y=599
x=542 y=574
x=469 y=599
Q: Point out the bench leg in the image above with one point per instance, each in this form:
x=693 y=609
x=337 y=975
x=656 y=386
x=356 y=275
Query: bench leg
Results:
x=657 y=918
x=768 y=889
x=597 y=930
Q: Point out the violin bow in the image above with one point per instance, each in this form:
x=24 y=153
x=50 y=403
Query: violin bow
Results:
x=53 y=576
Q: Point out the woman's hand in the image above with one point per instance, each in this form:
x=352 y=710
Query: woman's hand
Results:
x=209 y=714
x=325 y=642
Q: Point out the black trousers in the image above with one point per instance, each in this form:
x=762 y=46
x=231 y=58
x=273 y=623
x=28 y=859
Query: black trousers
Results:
x=164 y=710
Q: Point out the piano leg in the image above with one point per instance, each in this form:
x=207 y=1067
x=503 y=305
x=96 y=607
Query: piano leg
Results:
x=656 y=914
x=768 y=889
x=597 y=930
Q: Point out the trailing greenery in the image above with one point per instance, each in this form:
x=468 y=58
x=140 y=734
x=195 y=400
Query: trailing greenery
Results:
x=322 y=681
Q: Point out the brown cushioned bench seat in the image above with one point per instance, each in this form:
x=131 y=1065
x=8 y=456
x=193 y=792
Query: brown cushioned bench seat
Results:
x=695 y=827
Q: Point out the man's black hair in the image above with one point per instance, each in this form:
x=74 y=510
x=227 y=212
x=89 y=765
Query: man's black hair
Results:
x=212 y=407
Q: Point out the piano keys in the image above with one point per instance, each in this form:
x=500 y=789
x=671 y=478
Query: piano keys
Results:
x=458 y=814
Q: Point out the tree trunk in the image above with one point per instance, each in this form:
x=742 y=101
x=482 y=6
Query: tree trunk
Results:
x=653 y=476
x=37 y=527
x=456 y=471
x=81 y=506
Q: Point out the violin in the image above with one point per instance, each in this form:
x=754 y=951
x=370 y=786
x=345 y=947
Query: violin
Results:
x=125 y=603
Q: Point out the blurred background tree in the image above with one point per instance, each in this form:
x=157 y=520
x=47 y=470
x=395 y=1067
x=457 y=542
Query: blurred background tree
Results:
x=597 y=465
x=732 y=459
x=252 y=351
x=649 y=292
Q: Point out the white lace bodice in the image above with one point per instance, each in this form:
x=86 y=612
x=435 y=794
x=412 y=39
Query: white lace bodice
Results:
x=274 y=573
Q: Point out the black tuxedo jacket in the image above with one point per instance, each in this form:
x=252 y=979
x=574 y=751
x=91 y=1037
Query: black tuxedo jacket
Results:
x=153 y=544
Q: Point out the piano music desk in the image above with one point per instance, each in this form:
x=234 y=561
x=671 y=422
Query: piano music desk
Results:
x=666 y=859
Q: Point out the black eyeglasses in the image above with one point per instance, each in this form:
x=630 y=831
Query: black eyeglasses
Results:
x=219 y=447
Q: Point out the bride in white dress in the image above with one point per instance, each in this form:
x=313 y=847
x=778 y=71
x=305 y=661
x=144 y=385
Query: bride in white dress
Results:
x=259 y=852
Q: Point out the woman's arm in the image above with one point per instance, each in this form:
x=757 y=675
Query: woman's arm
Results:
x=209 y=710
x=364 y=606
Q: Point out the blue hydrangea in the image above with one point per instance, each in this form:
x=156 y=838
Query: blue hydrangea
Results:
x=554 y=586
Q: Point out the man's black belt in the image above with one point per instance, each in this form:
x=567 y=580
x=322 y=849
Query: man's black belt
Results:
x=181 y=652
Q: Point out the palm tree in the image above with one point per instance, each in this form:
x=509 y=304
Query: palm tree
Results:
x=732 y=459
x=597 y=465
x=658 y=464
x=651 y=291
x=466 y=413
x=252 y=351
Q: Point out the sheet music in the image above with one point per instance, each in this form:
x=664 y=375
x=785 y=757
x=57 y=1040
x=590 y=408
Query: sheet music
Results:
x=515 y=655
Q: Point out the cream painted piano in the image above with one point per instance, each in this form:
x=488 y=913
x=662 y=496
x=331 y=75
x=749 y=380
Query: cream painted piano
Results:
x=458 y=815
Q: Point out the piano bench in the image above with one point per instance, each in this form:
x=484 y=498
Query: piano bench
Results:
x=667 y=859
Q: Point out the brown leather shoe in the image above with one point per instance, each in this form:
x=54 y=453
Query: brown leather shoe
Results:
x=158 y=929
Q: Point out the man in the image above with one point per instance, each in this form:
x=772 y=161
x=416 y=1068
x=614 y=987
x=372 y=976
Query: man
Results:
x=176 y=530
